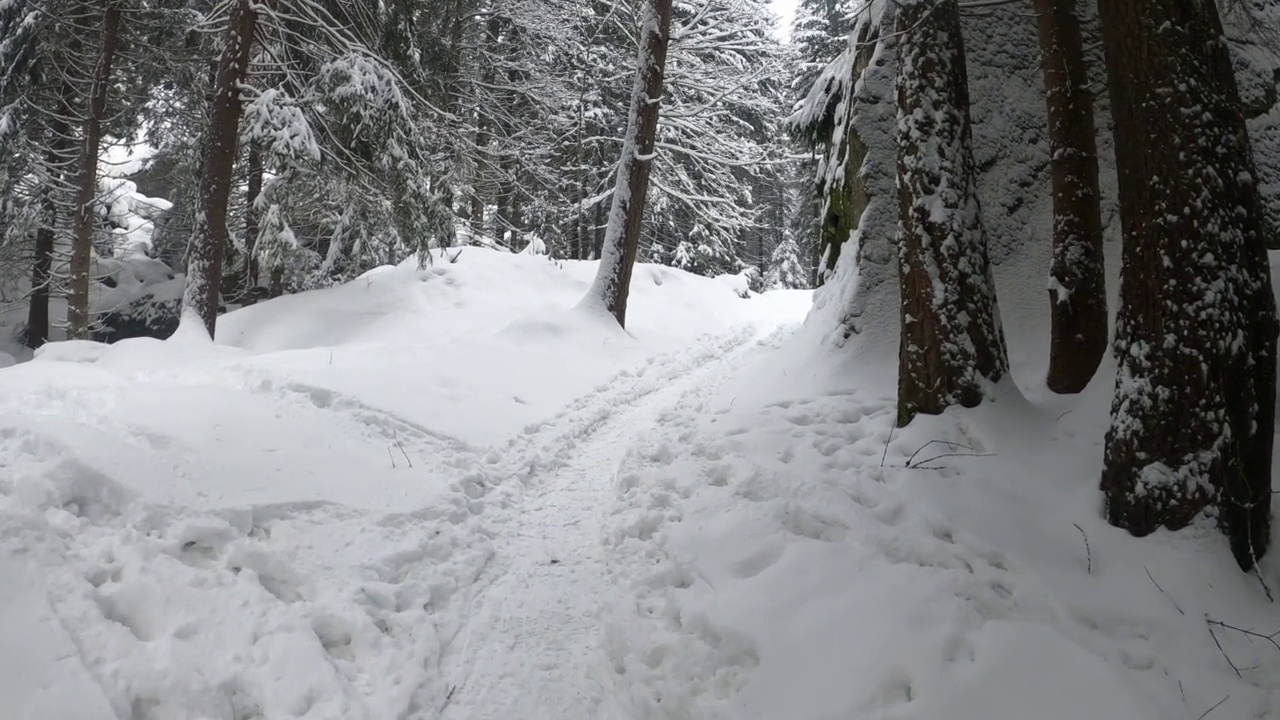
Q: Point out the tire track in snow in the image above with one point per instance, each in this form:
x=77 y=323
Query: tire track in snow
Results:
x=534 y=646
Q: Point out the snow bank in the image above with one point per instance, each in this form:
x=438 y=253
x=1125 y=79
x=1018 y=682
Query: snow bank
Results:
x=297 y=520
x=490 y=343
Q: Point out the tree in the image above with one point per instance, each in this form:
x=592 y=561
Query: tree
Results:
x=87 y=190
x=1077 y=280
x=622 y=236
x=209 y=240
x=1192 y=420
x=786 y=269
x=951 y=340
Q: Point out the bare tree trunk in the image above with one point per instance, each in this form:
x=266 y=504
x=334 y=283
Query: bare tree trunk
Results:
x=251 y=215
x=951 y=341
x=204 y=264
x=82 y=240
x=1077 y=280
x=1193 y=414
x=622 y=235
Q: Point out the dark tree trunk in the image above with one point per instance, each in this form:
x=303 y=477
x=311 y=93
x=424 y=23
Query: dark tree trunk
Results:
x=1193 y=414
x=204 y=263
x=1077 y=289
x=251 y=215
x=951 y=342
x=58 y=159
x=82 y=240
x=622 y=236
x=37 y=333
x=597 y=232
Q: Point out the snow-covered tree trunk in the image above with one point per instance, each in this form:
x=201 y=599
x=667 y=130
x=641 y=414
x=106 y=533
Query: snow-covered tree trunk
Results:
x=1193 y=413
x=622 y=234
x=209 y=237
x=87 y=190
x=951 y=341
x=1077 y=282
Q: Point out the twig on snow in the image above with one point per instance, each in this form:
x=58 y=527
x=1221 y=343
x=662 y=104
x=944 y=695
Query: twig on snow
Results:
x=887 y=440
x=1216 y=705
x=1272 y=639
x=1225 y=656
x=922 y=466
x=1088 y=554
x=1257 y=571
x=912 y=464
x=396 y=438
x=1153 y=582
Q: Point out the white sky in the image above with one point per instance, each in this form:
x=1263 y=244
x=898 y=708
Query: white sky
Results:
x=784 y=9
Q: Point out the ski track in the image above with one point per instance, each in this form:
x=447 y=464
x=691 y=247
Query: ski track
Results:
x=486 y=604
x=535 y=646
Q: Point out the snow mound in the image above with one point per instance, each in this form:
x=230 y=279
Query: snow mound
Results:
x=302 y=519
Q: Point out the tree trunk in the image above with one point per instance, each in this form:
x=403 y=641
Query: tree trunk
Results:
x=41 y=277
x=597 y=232
x=58 y=158
x=951 y=339
x=1077 y=283
x=622 y=234
x=251 y=215
x=82 y=240
x=204 y=264
x=1193 y=412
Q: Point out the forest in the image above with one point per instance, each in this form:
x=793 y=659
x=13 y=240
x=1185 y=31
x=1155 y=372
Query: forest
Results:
x=295 y=145
x=1002 y=211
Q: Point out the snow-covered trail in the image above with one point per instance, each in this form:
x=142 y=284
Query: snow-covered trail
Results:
x=534 y=645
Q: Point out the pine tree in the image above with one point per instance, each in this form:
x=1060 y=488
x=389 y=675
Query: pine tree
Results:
x=87 y=190
x=1192 y=420
x=1077 y=282
x=786 y=268
x=622 y=238
x=951 y=340
x=209 y=241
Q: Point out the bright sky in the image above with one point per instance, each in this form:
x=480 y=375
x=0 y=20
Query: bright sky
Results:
x=784 y=9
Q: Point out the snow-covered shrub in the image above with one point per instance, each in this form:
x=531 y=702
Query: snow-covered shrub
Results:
x=135 y=297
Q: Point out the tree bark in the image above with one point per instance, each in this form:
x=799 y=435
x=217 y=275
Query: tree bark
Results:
x=951 y=341
x=1193 y=413
x=1077 y=280
x=208 y=243
x=82 y=239
x=251 y=215
x=58 y=159
x=622 y=234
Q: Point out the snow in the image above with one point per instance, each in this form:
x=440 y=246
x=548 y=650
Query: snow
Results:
x=449 y=493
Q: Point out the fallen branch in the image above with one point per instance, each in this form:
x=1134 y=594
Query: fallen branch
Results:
x=955 y=447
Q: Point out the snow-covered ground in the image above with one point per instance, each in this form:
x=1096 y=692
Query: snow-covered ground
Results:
x=448 y=494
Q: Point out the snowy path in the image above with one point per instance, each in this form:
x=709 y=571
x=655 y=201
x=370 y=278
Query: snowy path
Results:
x=534 y=645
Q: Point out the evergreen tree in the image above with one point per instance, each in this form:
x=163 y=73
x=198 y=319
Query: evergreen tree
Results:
x=1077 y=281
x=622 y=238
x=951 y=340
x=1193 y=416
